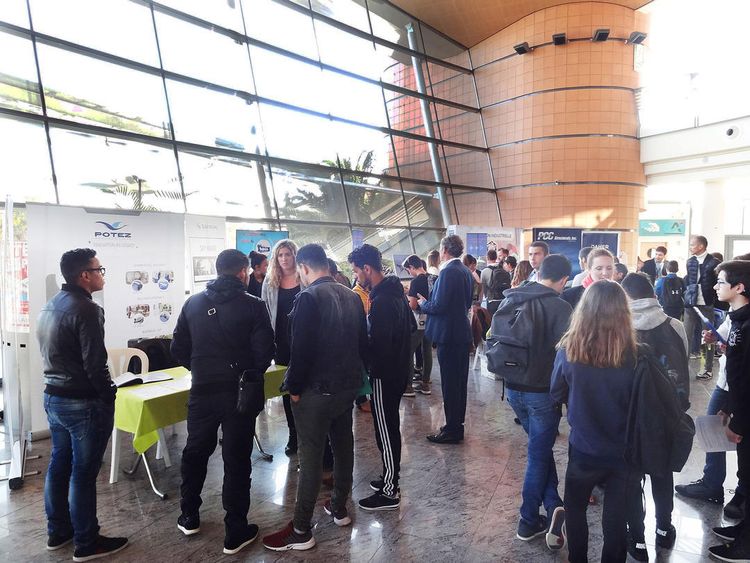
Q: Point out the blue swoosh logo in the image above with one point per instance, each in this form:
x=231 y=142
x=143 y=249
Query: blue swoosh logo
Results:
x=116 y=226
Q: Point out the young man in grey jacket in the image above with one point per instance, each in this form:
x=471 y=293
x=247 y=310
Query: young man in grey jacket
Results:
x=667 y=339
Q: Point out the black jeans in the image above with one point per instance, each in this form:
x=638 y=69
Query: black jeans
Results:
x=580 y=480
x=454 y=376
x=319 y=416
x=743 y=473
x=205 y=414
x=662 y=491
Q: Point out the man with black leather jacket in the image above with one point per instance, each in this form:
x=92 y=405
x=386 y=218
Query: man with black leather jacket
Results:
x=221 y=333
x=80 y=404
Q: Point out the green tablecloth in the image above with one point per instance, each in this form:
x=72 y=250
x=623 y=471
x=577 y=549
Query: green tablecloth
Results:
x=143 y=409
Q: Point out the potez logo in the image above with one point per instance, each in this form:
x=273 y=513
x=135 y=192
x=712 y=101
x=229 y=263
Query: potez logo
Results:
x=114 y=230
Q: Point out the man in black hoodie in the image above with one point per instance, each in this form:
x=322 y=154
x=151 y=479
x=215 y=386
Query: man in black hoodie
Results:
x=390 y=325
x=220 y=333
x=534 y=313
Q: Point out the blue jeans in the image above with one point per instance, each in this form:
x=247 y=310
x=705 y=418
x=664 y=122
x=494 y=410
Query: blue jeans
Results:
x=540 y=418
x=715 y=470
x=80 y=431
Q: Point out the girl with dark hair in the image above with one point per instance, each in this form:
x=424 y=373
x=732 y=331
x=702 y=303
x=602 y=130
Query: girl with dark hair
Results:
x=594 y=373
x=259 y=267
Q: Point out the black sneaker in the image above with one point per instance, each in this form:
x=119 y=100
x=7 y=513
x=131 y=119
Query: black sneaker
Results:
x=379 y=501
x=102 y=548
x=704 y=376
x=409 y=392
x=527 y=532
x=189 y=525
x=733 y=552
x=666 y=538
x=735 y=508
x=556 y=533
x=340 y=517
x=377 y=485
x=727 y=533
x=699 y=490
x=637 y=550
x=234 y=545
x=55 y=541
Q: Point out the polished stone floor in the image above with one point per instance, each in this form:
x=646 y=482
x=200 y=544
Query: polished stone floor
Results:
x=459 y=503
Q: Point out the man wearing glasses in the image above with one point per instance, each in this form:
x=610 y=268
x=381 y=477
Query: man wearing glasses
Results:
x=80 y=404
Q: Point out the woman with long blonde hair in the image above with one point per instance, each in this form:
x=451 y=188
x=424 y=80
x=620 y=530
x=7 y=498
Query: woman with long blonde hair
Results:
x=280 y=287
x=593 y=374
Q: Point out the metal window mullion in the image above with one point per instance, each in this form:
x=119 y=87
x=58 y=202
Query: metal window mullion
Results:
x=169 y=111
x=486 y=143
x=43 y=102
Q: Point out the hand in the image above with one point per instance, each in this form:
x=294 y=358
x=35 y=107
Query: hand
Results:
x=294 y=398
x=708 y=337
x=723 y=348
x=421 y=299
x=724 y=418
x=731 y=436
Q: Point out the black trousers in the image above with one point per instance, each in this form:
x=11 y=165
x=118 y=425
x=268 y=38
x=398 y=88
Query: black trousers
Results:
x=386 y=398
x=580 y=480
x=662 y=491
x=454 y=376
x=205 y=414
x=743 y=473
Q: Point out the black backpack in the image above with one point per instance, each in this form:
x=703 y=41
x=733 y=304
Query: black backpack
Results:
x=499 y=281
x=513 y=334
x=659 y=434
x=672 y=293
x=669 y=350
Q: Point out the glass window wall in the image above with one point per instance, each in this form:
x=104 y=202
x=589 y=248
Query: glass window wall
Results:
x=23 y=143
x=277 y=163
x=19 y=88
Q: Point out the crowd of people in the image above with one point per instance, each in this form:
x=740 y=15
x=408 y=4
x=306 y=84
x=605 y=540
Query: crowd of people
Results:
x=578 y=346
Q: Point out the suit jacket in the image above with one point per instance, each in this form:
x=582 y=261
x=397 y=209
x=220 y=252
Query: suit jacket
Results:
x=448 y=306
x=649 y=267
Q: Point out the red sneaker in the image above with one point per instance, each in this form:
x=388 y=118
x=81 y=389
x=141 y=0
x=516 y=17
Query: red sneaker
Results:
x=288 y=538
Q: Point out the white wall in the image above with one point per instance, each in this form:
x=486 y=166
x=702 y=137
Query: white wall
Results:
x=705 y=171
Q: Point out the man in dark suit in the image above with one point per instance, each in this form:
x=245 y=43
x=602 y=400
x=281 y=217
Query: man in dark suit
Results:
x=448 y=327
x=656 y=267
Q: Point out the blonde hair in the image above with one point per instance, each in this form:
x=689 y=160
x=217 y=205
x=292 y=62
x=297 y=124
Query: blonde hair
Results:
x=601 y=331
x=274 y=269
x=521 y=273
x=433 y=259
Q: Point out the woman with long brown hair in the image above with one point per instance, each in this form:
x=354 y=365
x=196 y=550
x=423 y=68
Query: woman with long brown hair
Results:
x=521 y=273
x=594 y=374
x=280 y=287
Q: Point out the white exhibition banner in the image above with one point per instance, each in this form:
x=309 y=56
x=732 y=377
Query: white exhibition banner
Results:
x=144 y=257
x=206 y=238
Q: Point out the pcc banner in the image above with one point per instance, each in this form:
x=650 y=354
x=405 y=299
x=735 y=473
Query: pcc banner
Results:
x=562 y=241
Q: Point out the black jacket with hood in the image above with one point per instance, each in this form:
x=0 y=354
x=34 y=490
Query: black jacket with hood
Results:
x=390 y=325
x=555 y=314
x=222 y=331
x=738 y=371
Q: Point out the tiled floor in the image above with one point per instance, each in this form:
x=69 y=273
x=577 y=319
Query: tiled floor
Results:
x=460 y=503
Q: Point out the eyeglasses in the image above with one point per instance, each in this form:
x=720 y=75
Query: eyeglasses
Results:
x=101 y=269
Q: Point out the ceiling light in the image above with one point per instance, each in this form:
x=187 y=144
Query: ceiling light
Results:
x=637 y=37
x=601 y=35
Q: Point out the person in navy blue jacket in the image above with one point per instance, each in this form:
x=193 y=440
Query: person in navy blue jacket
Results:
x=448 y=326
